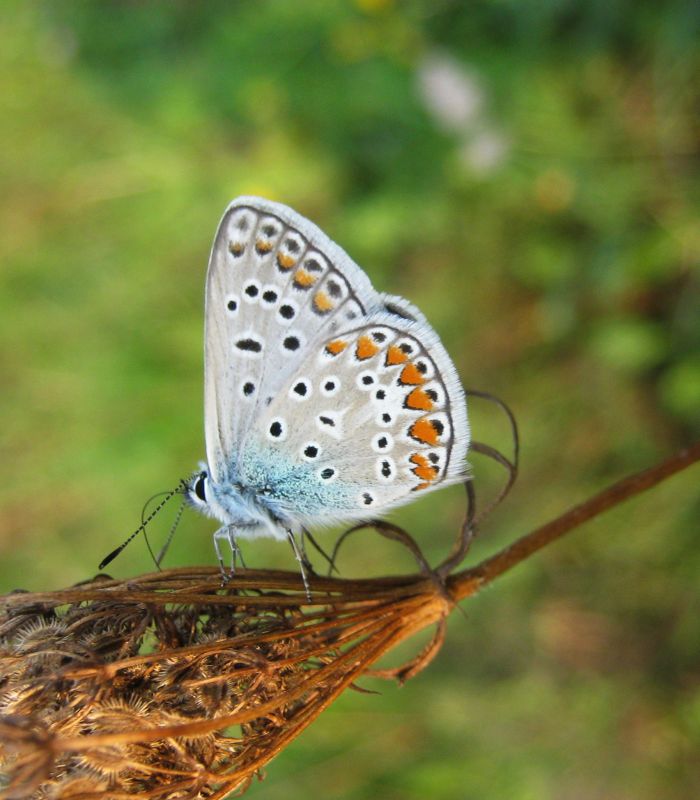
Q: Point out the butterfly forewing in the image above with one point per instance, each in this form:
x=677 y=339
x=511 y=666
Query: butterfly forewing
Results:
x=276 y=285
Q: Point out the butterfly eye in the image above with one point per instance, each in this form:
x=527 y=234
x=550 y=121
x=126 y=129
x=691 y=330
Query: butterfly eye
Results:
x=199 y=487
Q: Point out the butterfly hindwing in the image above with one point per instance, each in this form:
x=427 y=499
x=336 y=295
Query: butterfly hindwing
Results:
x=372 y=416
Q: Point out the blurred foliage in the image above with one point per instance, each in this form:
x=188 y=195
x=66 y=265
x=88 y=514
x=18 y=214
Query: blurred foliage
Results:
x=527 y=173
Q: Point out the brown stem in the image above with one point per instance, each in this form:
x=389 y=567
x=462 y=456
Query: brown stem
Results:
x=465 y=583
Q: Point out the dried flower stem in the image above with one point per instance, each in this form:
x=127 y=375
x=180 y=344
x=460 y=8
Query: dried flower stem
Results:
x=488 y=570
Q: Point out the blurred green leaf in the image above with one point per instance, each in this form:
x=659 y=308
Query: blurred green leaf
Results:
x=680 y=389
x=632 y=345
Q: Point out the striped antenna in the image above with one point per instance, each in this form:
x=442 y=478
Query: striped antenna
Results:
x=142 y=527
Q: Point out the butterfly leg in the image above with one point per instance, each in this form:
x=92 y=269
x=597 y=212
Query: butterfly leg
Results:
x=301 y=558
x=221 y=533
x=308 y=566
x=227 y=533
x=236 y=552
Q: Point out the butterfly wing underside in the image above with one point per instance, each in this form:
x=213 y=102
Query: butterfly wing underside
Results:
x=340 y=401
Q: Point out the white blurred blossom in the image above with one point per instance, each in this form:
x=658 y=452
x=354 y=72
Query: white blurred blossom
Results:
x=456 y=99
x=484 y=151
x=451 y=93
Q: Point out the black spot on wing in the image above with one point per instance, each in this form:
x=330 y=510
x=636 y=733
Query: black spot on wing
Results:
x=333 y=288
x=286 y=311
x=251 y=345
x=276 y=429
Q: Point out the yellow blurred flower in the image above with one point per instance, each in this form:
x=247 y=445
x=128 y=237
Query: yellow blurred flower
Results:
x=374 y=6
x=354 y=41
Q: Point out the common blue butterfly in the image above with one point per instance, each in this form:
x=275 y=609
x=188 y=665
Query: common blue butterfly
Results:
x=325 y=400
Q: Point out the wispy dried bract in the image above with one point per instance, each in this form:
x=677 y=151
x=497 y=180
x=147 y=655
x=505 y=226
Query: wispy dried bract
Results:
x=170 y=686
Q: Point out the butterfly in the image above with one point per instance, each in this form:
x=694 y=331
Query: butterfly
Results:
x=325 y=400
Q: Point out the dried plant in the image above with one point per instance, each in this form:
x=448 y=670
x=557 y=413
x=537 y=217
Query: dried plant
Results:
x=172 y=686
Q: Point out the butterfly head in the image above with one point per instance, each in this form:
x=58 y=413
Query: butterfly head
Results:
x=225 y=502
x=198 y=491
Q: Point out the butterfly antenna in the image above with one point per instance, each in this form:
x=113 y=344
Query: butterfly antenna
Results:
x=164 y=549
x=142 y=527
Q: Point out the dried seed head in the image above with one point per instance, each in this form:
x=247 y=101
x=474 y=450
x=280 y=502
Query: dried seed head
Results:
x=171 y=687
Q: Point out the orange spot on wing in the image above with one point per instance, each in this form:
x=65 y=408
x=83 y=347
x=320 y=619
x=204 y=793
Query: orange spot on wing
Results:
x=395 y=355
x=285 y=261
x=423 y=469
x=263 y=247
x=304 y=278
x=335 y=347
x=411 y=375
x=419 y=400
x=366 y=348
x=323 y=302
x=421 y=486
x=426 y=473
x=424 y=431
x=236 y=248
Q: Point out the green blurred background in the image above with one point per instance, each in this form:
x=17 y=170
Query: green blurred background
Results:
x=527 y=173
